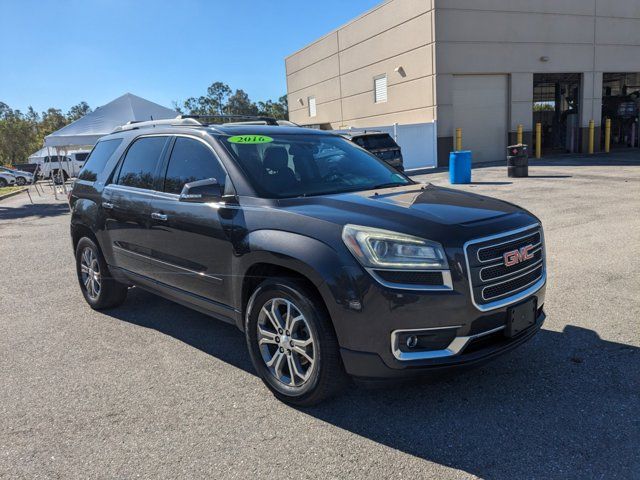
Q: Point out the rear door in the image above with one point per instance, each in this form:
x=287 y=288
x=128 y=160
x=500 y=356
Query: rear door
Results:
x=189 y=242
x=126 y=203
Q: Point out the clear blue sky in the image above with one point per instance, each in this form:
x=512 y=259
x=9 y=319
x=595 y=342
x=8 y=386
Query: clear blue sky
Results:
x=56 y=53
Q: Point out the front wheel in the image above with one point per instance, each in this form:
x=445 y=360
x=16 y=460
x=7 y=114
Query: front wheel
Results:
x=292 y=343
x=100 y=290
x=21 y=181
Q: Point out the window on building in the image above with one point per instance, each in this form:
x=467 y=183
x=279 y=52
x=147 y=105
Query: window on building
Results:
x=312 y=106
x=380 y=88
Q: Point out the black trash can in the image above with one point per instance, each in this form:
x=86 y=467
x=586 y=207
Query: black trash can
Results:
x=517 y=161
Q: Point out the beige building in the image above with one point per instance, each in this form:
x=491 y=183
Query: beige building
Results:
x=485 y=66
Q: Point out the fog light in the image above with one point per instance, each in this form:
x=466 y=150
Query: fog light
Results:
x=412 y=341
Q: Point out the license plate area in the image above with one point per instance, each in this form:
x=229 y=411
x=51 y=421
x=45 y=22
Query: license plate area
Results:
x=520 y=317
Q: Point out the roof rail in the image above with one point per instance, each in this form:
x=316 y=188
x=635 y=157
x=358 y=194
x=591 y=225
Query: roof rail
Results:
x=253 y=118
x=136 y=124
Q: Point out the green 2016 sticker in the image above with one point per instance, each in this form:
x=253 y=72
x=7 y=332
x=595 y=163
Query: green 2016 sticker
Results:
x=250 y=139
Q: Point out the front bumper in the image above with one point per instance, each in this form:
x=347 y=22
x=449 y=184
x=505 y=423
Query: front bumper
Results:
x=477 y=351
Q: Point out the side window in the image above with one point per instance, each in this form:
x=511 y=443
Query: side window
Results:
x=191 y=160
x=98 y=158
x=139 y=165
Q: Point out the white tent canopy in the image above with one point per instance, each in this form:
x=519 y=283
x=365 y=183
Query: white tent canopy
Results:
x=103 y=120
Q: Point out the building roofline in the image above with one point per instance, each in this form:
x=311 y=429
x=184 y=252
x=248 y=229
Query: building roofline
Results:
x=335 y=30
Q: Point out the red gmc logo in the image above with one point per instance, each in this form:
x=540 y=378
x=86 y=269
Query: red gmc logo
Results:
x=516 y=256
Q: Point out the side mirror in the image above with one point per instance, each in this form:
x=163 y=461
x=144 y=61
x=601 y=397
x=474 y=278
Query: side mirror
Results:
x=202 y=191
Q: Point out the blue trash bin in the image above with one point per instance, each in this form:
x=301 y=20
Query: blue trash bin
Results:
x=460 y=167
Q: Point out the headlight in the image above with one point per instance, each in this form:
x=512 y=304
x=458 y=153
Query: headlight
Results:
x=377 y=248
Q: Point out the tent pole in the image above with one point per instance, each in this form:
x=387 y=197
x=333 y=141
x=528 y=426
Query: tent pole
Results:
x=53 y=182
x=61 y=171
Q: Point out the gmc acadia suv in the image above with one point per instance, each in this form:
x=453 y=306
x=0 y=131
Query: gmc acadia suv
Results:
x=331 y=262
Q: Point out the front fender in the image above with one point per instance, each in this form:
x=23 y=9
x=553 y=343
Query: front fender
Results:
x=335 y=274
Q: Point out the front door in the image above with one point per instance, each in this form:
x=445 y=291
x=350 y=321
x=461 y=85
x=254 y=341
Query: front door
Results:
x=126 y=203
x=189 y=242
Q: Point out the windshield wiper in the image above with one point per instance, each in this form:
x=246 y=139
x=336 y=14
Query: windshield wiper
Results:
x=388 y=185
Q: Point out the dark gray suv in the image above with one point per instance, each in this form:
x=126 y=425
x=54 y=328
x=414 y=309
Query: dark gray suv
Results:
x=332 y=263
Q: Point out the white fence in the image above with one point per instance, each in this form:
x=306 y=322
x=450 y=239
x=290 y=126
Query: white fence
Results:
x=418 y=142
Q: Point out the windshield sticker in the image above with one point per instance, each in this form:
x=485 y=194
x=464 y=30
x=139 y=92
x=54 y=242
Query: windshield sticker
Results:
x=250 y=139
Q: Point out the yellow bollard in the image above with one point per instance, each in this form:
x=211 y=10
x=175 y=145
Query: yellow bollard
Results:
x=519 y=135
x=458 y=139
x=607 y=135
x=538 y=140
x=592 y=128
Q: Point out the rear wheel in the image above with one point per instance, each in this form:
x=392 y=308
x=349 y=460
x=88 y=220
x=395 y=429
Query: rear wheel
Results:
x=3 y=182
x=100 y=290
x=292 y=343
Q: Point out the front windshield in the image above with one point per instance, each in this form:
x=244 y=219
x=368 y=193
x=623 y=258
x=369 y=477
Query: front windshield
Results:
x=282 y=166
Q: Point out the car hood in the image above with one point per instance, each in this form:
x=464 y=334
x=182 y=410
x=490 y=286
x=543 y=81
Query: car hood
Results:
x=414 y=209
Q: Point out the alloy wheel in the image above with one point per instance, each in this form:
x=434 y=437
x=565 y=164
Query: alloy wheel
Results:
x=90 y=272
x=286 y=342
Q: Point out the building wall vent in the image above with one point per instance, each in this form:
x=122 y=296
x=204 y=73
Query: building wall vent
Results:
x=380 y=88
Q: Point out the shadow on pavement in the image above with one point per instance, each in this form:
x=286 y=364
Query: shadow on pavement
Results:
x=37 y=210
x=550 y=176
x=490 y=183
x=565 y=405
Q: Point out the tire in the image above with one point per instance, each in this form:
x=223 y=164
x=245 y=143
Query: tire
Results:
x=21 y=181
x=106 y=292
x=3 y=183
x=323 y=378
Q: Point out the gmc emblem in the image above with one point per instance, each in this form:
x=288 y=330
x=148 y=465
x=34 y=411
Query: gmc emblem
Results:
x=516 y=256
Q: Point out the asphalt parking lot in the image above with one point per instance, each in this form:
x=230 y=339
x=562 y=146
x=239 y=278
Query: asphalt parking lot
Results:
x=154 y=390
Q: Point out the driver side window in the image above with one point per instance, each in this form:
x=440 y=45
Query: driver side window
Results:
x=191 y=160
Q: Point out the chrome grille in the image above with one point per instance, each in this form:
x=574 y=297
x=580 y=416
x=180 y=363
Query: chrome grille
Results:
x=493 y=283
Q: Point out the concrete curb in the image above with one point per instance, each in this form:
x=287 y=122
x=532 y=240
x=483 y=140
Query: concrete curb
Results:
x=7 y=195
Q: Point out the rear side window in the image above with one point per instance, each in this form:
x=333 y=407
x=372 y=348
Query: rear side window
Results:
x=81 y=157
x=372 y=142
x=139 y=166
x=98 y=159
x=191 y=160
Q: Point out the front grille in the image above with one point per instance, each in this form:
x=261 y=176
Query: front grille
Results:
x=411 y=278
x=507 y=287
x=493 y=283
x=495 y=252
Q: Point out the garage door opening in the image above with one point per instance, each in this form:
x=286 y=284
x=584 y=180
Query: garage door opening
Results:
x=556 y=105
x=621 y=103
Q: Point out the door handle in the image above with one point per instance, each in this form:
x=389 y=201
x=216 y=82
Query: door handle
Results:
x=159 y=216
x=107 y=205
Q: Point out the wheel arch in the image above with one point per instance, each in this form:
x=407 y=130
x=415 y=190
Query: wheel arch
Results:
x=285 y=254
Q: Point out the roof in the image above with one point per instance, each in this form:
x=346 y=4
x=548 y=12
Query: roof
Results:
x=265 y=130
x=103 y=120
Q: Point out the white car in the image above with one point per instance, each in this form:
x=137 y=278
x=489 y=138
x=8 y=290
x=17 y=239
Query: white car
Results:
x=22 y=178
x=7 y=180
x=69 y=165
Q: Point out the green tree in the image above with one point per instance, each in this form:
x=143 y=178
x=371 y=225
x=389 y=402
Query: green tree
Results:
x=18 y=137
x=240 y=104
x=220 y=100
x=278 y=110
x=78 y=111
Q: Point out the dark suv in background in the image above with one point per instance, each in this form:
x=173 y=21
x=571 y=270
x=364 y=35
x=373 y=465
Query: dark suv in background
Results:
x=333 y=263
x=381 y=144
